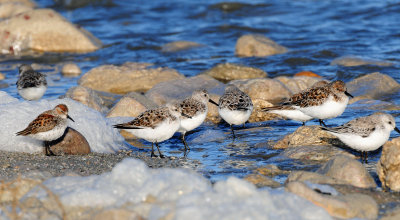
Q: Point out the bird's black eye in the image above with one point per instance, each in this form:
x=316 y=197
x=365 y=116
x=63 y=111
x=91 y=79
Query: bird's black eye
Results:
x=390 y=122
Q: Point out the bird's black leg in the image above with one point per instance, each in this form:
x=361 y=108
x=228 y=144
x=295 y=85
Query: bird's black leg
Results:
x=321 y=123
x=152 y=150
x=303 y=124
x=184 y=142
x=159 y=152
x=48 y=150
x=233 y=132
x=366 y=157
x=244 y=125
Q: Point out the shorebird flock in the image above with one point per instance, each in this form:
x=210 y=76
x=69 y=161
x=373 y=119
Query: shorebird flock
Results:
x=322 y=101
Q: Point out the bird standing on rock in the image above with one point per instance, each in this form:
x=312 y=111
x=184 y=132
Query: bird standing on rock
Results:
x=234 y=106
x=48 y=126
x=31 y=85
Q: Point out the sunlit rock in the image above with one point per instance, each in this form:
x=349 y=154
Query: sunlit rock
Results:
x=130 y=77
x=314 y=153
x=265 y=89
x=252 y=45
x=372 y=86
x=229 y=71
x=307 y=136
x=298 y=83
x=71 y=143
x=388 y=168
x=348 y=206
x=87 y=97
x=131 y=105
x=307 y=73
x=10 y=9
x=262 y=181
x=44 y=30
x=71 y=69
x=358 y=61
x=349 y=170
x=179 y=46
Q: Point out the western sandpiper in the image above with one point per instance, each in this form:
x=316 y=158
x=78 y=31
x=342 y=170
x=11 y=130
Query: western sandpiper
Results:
x=31 y=85
x=323 y=102
x=155 y=125
x=234 y=106
x=365 y=133
x=48 y=126
x=291 y=112
x=196 y=107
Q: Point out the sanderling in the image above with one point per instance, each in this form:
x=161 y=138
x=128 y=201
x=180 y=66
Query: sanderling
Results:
x=155 y=125
x=195 y=107
x=291 y=112
x=48 y=126
x=234 y=106
x=365 y=133
x=31 y=85
x=323 y=102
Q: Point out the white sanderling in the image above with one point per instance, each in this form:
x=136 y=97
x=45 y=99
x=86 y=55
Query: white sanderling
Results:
x=31 y=85
x=48 y=126
x=365 y=133
x=155 y=125
x=196 y=107
x=324 y=102
x=234 y=106
x=291 y=112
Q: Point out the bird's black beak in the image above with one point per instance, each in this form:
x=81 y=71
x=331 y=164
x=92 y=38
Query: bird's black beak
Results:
x=185 y=115
x=70 y=118
x=210 y=100
x=396 y=129
x=348 y=94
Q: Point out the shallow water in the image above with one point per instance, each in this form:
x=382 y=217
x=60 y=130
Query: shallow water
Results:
x=316 y=32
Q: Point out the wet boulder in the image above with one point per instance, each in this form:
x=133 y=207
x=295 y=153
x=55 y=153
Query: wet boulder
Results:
x=298 y=83
x=262 y=181
x=307 y=73
x=130 y=77
x=71 y=69
x=179 y=46
x=87 y=97
x=314 y=153
x=347 y=206
x=131 y=105
x=264 y=89
x=258 y=115
x=9 y=9
x=312 y=177
x=349 y=170
x=180 y=89
x=372 y=86
x=388 y=167
x=71 y=143
x=358 y=61
x=308 y=136
x=229 y=71
x=252 y=45
x=44 y=30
